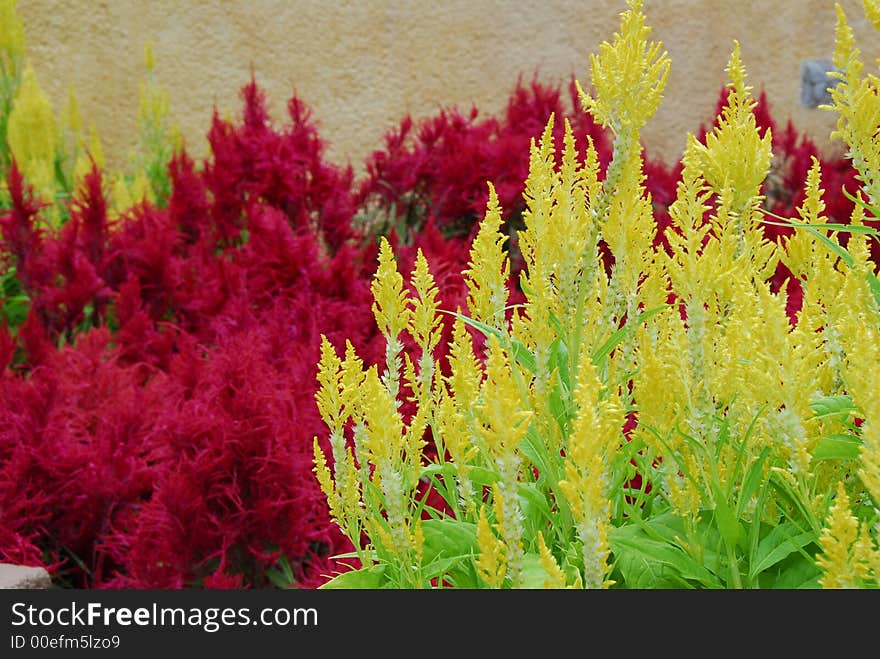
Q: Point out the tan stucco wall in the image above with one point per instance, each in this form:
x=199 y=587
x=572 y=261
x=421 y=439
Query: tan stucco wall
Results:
x=362 y=65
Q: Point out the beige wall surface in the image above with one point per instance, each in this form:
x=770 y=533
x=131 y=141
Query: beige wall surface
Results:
x=361 y=65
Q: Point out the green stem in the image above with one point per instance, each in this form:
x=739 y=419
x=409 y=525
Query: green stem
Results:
x=734 y=567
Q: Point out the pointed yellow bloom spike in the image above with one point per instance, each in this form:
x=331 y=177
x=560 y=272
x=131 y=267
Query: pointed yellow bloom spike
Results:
x=390 y=301
x=12 y=46
x=872 y=11
x=488 y=269
x=629 y=75
x=842 y=545
x=32 y=135
x=149 y=58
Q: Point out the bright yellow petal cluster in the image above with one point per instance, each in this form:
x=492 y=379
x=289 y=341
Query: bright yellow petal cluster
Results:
x=32 y=135
x=466 y=373
x=502 y=422
x=12 y=44
x=857 y=325
x=559 y=246
x=594 y=438
x=491 y=561
x=503 y=417
x=384 y=438
x=153 y=116
x=555 y=575
x=488 y=269
x=735 y=158
x=424 y=327
x=869 y=472
x=391 y=310
x=872 y=11
x=390 y=305
x=844 y=547
x=628 y=75
x=800 y=249
x=337 y=401
x=658 y=388
x=856 y=100
x=126 y=192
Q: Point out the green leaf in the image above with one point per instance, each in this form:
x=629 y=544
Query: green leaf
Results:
x=518 y=351
x=533 y=575
x=534 y=507
x=832 y=406
x=849 y=228
x=558 y=406
x=533 y=447
x=443 y=566
x=752 y=481
x=874 y=285
x=835 y=247
x=837 y=447
x=728 y=523
x=648 y=563
x=16 y=309
x=281 y=575
x=370 y=578
x=554 y=320
x=801 y=574
x=616 y=337
x=482 y=476
x=523 y=356
x=609 y=345
x=813 y=229
x=788 y=493
x=559 y=357
x=827 y=226
x=445 y=538
x=784 y=540
x=874 y=210
x=447 y=469
x=448 y=550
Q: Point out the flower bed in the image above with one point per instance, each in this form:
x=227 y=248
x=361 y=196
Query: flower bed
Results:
x=594 y=369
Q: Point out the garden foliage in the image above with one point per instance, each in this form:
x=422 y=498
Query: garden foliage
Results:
x=659 y=422
x=575 y=365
